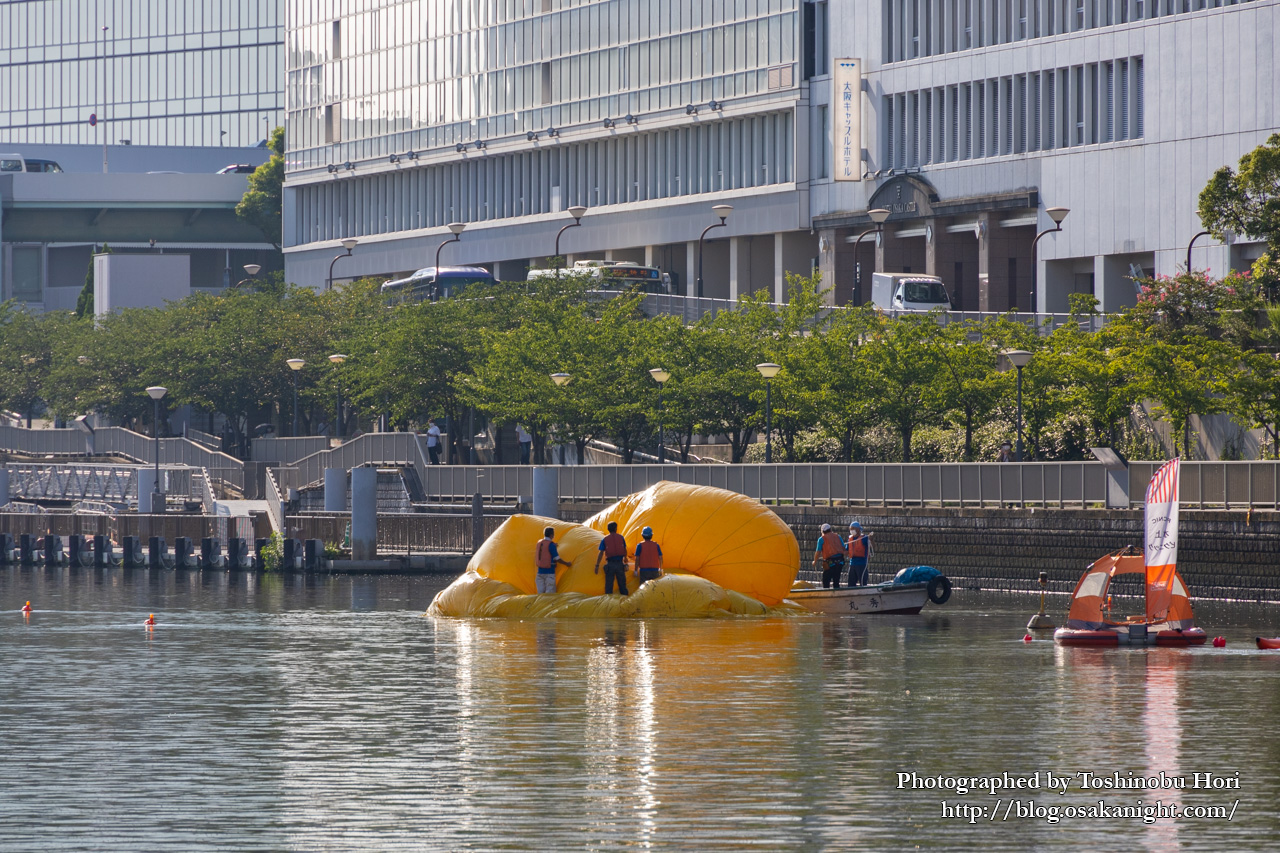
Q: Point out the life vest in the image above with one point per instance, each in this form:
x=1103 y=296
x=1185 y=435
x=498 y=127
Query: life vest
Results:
x=544 y=554
x=647 y=558
x=615 y=546
x=858 y=546
x=831 y=546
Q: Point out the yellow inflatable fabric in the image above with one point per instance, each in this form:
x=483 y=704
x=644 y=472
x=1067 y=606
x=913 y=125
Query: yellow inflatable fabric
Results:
x=727 y=538
x=724 y=554
x=671 y=595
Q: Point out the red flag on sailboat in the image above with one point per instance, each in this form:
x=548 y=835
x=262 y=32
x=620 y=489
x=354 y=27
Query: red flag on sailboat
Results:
x=1161 y=546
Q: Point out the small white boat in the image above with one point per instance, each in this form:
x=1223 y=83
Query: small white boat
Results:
x=873 y=598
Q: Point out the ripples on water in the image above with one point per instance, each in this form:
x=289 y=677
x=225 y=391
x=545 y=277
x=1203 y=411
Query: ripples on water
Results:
x=290 y=713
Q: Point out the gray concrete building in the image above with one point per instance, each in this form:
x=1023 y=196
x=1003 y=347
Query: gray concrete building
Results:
x=965 y=119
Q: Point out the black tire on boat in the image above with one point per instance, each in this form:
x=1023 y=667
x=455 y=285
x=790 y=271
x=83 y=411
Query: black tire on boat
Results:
x=939 y=589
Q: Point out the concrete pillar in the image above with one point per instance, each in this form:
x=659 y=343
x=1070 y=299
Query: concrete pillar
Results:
x=779 y=269
x=737 y=275
x=4 y=486
x=546 y=492
x=691 y=268
x=650 y=253
x=954 y=259
x=364 y=513
x=335 y=490
x=146 y=485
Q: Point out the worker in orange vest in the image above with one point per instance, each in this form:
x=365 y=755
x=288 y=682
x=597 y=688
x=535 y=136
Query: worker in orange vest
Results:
x=613 y=549
x=648 y=558
x=859 y=554
x=547 y=556
x=829 y=551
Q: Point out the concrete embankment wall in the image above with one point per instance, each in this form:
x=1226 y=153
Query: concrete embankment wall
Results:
x=1229 y=555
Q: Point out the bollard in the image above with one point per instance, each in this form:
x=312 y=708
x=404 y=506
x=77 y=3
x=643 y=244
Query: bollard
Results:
x=78 y=551
x=8 y=550
x=292 y=554
x=53 y=553
x=546 y=492
x=102 y=553
x=157 y=553
x=238 y=554
x=131 y=553
x=313 y=554
x=184 y=553
x=364 y=513
x=211 y=553
x=27 y=549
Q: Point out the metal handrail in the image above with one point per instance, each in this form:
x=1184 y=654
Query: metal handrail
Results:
x=275 y=503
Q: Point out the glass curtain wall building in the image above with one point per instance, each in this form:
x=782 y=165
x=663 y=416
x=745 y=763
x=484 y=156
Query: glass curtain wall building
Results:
x=406 y=116
x=165 y=72
x=965 y=119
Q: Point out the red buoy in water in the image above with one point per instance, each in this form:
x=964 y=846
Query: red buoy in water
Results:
x=1219 y=642
x=1028 y=638
x=26 y=608
x=151 y=621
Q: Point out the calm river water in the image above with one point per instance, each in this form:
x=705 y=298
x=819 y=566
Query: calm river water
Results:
x=291 y=713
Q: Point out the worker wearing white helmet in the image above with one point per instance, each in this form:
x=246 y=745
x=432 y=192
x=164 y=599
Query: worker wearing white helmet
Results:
x=829 y=551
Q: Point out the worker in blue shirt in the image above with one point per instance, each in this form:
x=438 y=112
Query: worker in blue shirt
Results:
x=830 y=551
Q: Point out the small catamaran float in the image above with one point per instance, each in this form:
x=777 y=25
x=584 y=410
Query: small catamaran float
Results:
x=1168 y=619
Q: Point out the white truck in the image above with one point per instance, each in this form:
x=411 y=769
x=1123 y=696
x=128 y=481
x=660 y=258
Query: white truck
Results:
x=900 y=291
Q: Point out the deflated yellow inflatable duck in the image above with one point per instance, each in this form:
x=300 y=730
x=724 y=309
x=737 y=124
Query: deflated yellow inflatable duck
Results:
x=724 y=554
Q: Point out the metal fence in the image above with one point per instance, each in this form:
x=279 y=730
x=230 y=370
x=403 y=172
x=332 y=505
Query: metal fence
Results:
x=375 y=448
x=286 y=451
x=88 y=481
x=399 y=533
x=1205 y=485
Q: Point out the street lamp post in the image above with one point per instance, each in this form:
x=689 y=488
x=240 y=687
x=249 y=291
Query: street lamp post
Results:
x=661 y=376
x=768 y=370
x=1192 y=243
x=1057 y=214
x=455 y=228
x=253 y=269
x=337 y=358
x=722 y=211
x=102 y=119
x=562 y=379
x=295 y=364
x=1019 y=358
x=156 y=392
x=347 y=244
x=878 y=216
x=577 y=212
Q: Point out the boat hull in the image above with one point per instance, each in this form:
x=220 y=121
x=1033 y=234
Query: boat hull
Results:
x=1121 y=636
x=1269 y=643
x=873 y=598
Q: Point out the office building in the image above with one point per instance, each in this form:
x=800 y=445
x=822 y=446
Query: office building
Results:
x=965 y=119
x=148 y=72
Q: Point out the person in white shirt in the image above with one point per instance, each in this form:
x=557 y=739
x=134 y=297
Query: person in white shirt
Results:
x=526 y=443
x=433 y=442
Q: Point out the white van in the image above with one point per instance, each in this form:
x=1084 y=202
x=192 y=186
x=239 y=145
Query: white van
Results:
x=899 y=291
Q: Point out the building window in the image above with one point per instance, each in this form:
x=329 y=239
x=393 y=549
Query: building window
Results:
x=27 y=278
x=824 y=142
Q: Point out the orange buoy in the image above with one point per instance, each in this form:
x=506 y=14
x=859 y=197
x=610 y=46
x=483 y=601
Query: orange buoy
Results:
x=151 y=620
x=26 y=608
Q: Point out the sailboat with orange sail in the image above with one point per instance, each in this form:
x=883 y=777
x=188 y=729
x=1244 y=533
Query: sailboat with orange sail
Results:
x=1167 y=620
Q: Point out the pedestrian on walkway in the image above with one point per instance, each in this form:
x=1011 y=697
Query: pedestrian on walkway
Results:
x=433 y=442
x=548 y=555
x=648 y=558
x=613 y=549
x=526 y=443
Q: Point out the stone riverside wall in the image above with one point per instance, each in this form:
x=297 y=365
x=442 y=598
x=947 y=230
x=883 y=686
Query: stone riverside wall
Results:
x=1226 y=555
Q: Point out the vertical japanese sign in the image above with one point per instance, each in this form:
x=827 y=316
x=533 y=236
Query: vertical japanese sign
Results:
x=846 y=120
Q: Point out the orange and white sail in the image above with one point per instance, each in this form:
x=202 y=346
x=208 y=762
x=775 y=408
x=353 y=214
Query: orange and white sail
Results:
x=1161 y=546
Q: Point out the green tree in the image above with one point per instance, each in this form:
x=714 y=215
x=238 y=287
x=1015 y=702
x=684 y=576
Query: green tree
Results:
x=1247 y=201
x=902 y=363
x=263 y=203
